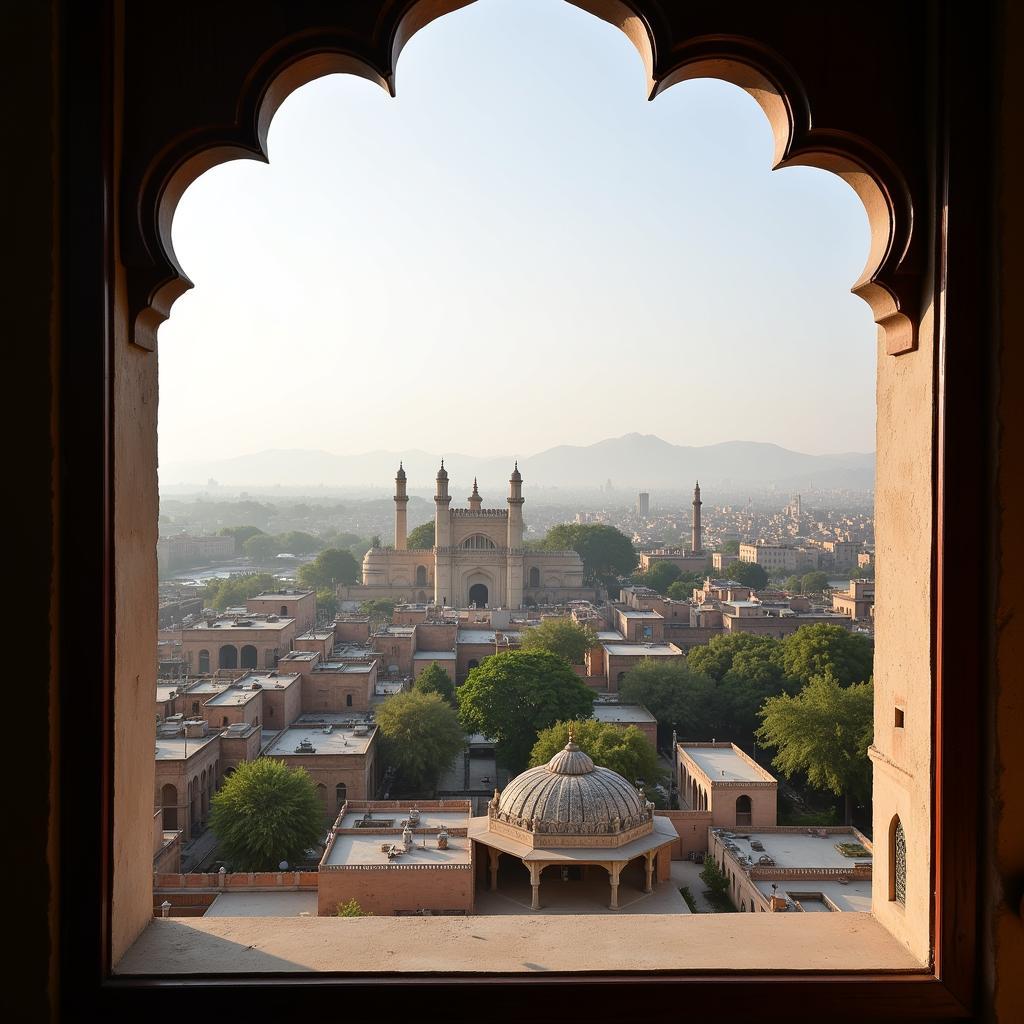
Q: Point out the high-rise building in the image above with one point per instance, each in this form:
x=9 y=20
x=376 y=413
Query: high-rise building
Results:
x=643 y=503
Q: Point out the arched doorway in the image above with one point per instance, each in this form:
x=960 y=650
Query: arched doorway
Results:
x=249 y=656
x=169 y=805
x=204 y=662
x=228 y=657
x=478 y=595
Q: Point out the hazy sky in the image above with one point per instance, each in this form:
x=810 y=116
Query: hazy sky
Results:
x=518 y=251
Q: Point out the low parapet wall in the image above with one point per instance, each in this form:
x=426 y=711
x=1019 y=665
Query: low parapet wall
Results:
x=222 y=882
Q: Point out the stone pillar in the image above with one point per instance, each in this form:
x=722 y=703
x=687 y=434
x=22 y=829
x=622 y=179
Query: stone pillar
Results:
x=494 y=856
x=613 y=874
x=401 y=505
x=649 y=871
x=535 y=871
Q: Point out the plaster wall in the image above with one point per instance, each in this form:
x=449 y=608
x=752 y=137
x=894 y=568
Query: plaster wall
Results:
x=386 y=890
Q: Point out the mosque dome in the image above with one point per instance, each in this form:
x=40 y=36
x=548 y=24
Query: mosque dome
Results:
x=570 y=794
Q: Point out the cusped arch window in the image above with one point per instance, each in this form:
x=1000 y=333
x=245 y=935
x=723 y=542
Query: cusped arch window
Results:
x=479 y=542
x=897 y=862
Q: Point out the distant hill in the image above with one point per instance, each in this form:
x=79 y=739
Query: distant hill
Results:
x=633 y=461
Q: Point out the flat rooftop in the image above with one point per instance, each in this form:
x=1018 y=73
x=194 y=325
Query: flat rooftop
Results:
x=644 y=650
x=233 y=696
x=434 y=656
x=263 y=904
x=396 y=631
x=799 y=850
x=299 y=656
x=723 y=764
x=854 y=896
x=609 y=635
x=391 y=818
x=341 y=740
x=349 y=849
x=617 y=713
x=316 y=634
x=249 y=622
x=176 y=748
x=485 y=636
x=344 y=667
x=164 y=690
x=633 y=613
x=274 y=595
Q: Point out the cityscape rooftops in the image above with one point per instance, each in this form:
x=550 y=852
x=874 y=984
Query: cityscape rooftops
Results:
x=252 y=620
x=796 y=848
x=724 y=762
x=316 y=634
x=346 y=667
x=178 y=748
x=393 y=630
x=486 y=636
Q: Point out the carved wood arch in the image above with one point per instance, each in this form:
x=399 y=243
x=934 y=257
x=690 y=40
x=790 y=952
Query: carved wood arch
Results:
x=225 y=113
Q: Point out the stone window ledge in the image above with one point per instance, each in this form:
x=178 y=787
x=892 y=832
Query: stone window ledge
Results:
x=848 y=942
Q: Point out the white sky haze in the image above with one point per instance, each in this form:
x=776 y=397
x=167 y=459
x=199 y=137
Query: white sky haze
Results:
x=517 y=251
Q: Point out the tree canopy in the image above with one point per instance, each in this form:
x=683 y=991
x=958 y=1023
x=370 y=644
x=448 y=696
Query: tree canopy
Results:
x=326 y=603
x=824 y=731
x=813 y=650
x=266 y=813
x=221 y=594
x=813 y=582
x=435 y=679
x=262 y=546
x=683 y=587
x=513 y=695
x=240 y=533
x=380 y=609
x=421 y=537
x=331 y=567
x=731 y=547
x=607 y=553
x=626 y=751
x=750 y=574
x=677 y=695
x=421 y=736
x=660 y=576
x=565 y=637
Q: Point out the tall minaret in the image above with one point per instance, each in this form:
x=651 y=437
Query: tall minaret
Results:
x=514 y=582
x=401 y=504
x=475 y=501
x=696 y=544
x=442 y=539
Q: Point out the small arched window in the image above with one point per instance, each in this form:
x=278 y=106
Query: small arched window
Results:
x=284 y=611
x=534 y=577
x=340 y=794
x=204 y=662
x=421 y=575
x=348 y=700
x=743 y=810
x=479 y=542
x=897 y=862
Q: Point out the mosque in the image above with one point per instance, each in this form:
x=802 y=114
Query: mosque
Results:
x=478 y=557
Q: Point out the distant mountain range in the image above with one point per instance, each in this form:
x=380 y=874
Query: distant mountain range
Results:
x=631 y=462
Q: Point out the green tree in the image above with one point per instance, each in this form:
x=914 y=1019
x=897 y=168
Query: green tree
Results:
x=435 y=679
x=824 y=731
x=326 y=603
x=682 y=589
x=677 y=695
x=750 y=574
x=262 y=546
x=422 y=537
x=240 y=533
x=229 y=593
x=731 y=547
x=266 y=813
x=297 y=542
x=794 y=584
x=380 y=610
x=813 y=650
x=626 y=751
x=421 y=736
x=660 y=576
x=715 y=878
x=513 y=695
x=813 y=583
x=607 y=553
x=331 y=567
x=565 y=637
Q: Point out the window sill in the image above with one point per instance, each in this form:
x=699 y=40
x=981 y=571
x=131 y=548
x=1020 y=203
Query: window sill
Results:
x=518 y=944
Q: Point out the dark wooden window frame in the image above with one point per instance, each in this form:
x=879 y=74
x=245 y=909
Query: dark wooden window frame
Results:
x=958 y=225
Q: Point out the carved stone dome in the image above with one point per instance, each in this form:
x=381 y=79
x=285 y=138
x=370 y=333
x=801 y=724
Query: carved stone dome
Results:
x=570 y=794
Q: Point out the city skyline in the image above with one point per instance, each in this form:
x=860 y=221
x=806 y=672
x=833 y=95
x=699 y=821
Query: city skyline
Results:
x=527 y=272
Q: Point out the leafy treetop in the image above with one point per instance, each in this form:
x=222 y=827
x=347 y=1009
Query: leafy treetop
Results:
x=607 y=553
x=513 y=695
x=331 y=567
x=626 y=751
x=422 y=537
x=565 y=637
x=421 y=736
x=435 y=679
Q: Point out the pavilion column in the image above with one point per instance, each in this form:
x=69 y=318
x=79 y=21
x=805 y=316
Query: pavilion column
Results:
x=649 y=867
x=613 y=875
x=494 y=856
x=535 y=870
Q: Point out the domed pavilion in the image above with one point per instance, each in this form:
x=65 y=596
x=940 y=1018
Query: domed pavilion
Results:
x=573 y=813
